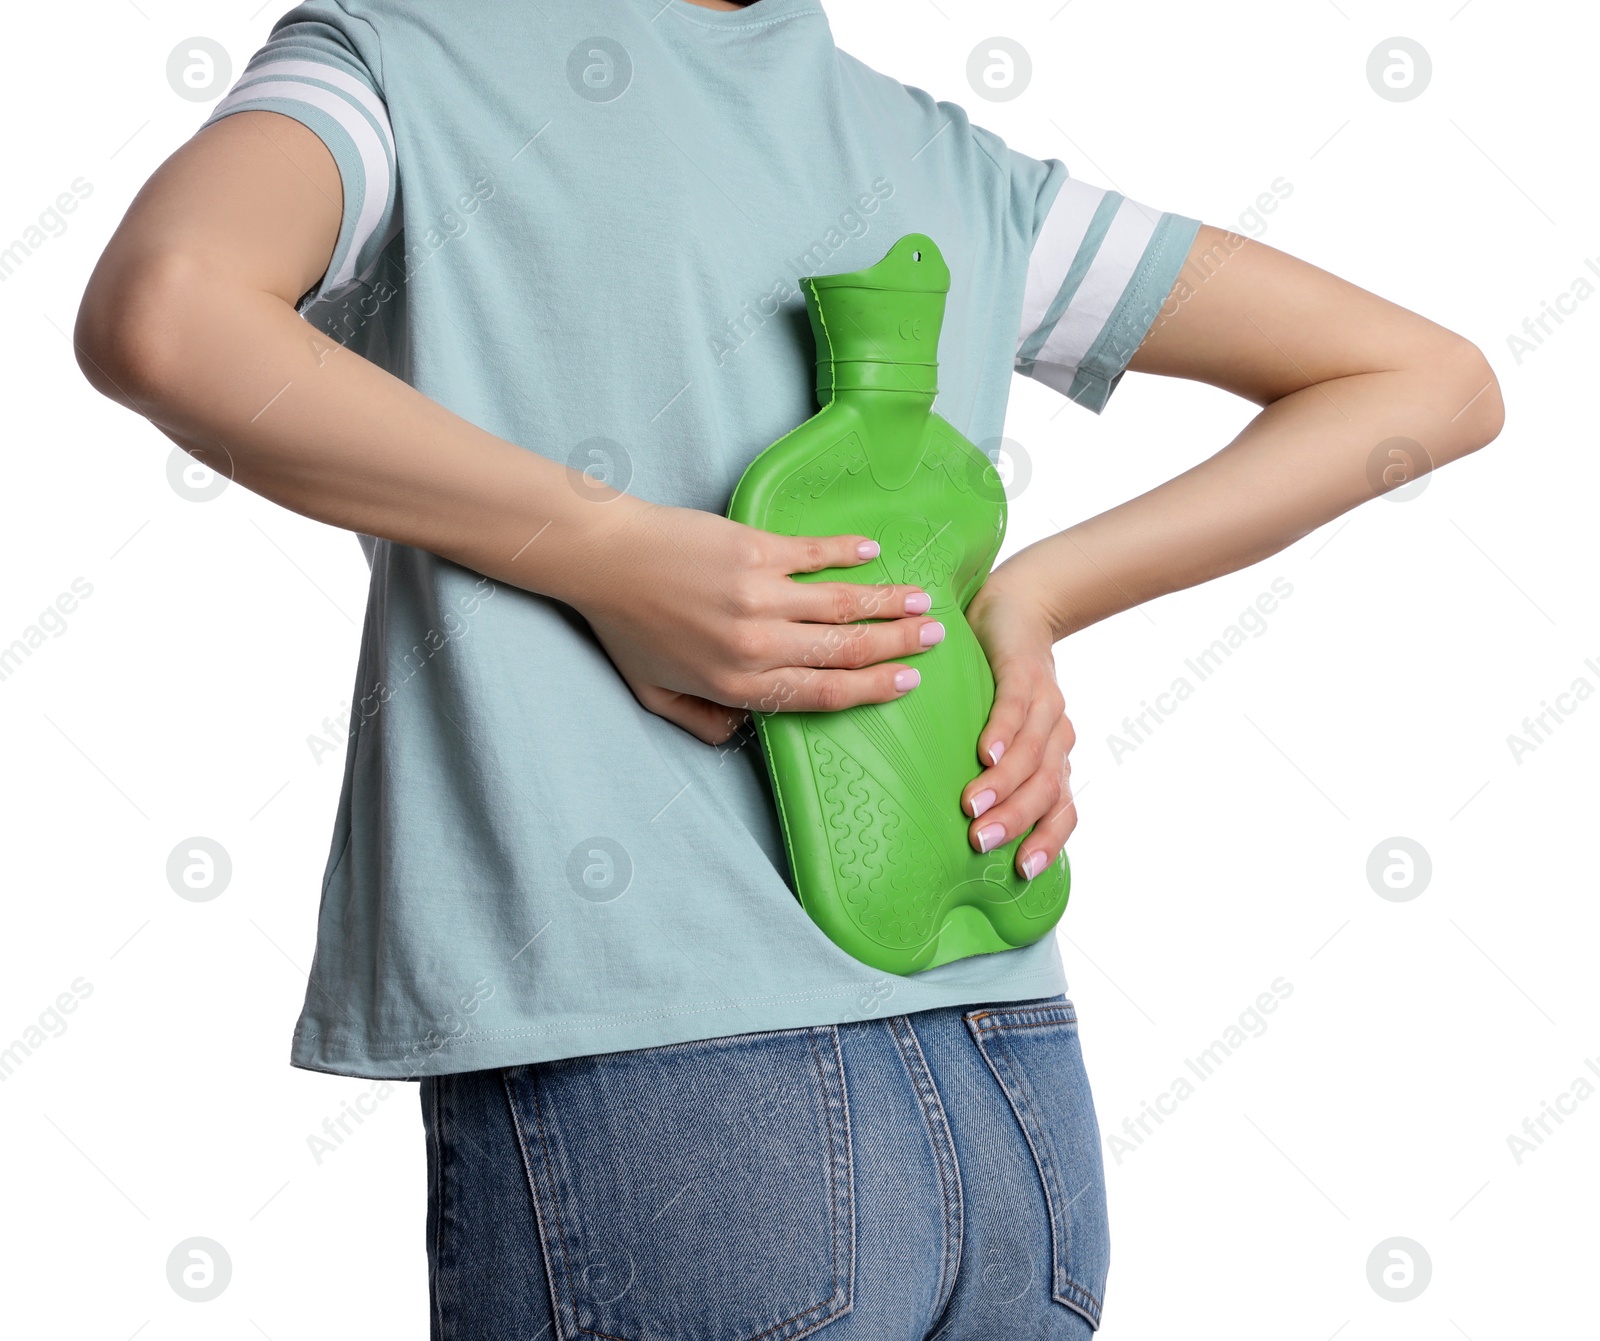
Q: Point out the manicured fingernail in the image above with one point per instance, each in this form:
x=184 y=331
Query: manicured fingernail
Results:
x=990 y=836
x=995 y=751
x=918 y=603
x=932 y=633
x=867 y=549
x=907 y=679
x=982 y=801
x=1033 y=863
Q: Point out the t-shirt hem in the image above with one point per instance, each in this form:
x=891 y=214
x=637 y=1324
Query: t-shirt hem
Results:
x=1136 y=312
x=398 y=1059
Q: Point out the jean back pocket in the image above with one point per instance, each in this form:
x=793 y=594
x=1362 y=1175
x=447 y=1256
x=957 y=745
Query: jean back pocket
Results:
x=1034 y=1053
x=699 y=1191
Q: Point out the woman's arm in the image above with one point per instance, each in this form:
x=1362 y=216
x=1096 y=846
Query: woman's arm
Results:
x=189 y=320
x=1337 y=370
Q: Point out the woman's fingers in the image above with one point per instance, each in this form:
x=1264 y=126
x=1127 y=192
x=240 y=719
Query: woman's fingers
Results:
x=1029 y=790
x=1027 y=707
x=1010 y=711
x=846 y=602
x=1023 y=804
x=711 y=722
x=1050 y=834
x=719 y=618
x=813 y=553
x=802 y=689
x=1042 y=803
x=852 y=646
x=823 y=625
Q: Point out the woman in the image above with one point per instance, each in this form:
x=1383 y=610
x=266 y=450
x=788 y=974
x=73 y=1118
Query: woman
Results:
x=512 y=295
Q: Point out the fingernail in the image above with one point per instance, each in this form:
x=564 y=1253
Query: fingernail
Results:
x=932 y=633
x=995 y=751
x=982 y=801
x=918 y=603
x=867 y=549
x=1033 y=863
x=990 y=836
x=907 y=679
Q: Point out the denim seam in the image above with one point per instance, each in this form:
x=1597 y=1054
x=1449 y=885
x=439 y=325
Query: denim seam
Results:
x=1063 y=1289
x=1025 y=1024
x=937 y=1123
x=438 y=1223
x=1041 y=1158
x=833 y=1191
x=1070 y=1014
x=834 y=1110
x=826 y=1093
x=557 y=1314
x=843 y=1092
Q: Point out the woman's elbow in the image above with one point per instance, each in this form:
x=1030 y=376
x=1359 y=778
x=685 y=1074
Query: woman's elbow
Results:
x=1468 y=393
x=127 y=337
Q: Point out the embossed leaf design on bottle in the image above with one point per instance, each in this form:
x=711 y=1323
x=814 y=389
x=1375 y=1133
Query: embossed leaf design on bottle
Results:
x=869 y=798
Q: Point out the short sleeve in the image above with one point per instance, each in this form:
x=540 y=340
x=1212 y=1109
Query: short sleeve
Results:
x=1101 y=267
x=313 y=69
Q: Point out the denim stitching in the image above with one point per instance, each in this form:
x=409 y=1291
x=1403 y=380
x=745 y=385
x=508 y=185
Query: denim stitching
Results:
x=945 y=1160
x=1022 y=1024
x=827 y=1094
x=556 y=1311
x=438 y=1222
x=936 y=1121
x=833 y=1194
x=1063 y=1288
x=849 y=1162
x=1058 y=1008
x=931 y=1114
x=997 y=1064
x=538 y=1215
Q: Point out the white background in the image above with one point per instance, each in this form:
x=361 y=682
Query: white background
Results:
x=1228 y=850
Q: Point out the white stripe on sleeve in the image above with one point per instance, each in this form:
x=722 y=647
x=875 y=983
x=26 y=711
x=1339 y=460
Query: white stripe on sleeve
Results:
x=1058 y=242
x=1103 y=285
x=373 y=149
x=328 y=74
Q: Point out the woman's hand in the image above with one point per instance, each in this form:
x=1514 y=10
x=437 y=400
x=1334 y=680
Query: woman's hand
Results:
x=700 y=616
x=1028 y=736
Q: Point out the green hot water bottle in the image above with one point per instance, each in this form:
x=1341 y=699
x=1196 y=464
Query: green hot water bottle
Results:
x=869 y=798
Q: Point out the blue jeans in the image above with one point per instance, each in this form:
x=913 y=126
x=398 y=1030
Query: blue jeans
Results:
x=926 y=1177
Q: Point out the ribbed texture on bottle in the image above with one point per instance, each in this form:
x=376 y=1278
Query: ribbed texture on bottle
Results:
x=874 y=339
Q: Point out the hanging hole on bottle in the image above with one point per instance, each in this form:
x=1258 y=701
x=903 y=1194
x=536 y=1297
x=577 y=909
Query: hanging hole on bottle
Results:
x=916 y=256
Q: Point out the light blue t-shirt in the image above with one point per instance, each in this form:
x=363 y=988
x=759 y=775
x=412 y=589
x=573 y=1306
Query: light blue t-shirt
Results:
x=580 y=226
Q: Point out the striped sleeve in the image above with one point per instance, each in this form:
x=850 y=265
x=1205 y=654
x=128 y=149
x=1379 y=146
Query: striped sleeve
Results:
x=1101 y=268
x=310 y=69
